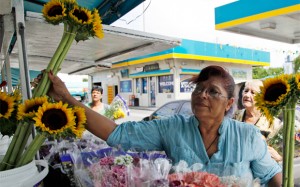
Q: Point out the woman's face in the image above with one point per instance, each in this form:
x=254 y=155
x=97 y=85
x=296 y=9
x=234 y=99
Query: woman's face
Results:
x=96 y=95
x=248 y=96
x=210 y=99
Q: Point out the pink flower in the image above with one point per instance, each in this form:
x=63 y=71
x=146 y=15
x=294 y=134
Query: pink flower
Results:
x=109 y=160
x=195 y=179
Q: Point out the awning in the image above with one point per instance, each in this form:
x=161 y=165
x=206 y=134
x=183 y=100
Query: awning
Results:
x=15 y=76
x=151 y=73
x=274 y=20
x=89 y=56
x=190 y=71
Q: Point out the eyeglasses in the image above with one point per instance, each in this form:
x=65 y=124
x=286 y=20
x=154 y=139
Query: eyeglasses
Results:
x=210 y=91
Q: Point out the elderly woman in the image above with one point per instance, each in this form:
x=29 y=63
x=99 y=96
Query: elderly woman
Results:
x=251 y=115
x=224 y=146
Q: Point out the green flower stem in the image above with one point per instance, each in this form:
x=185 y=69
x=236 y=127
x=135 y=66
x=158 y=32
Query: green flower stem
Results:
x=4 y=162
x=71 y=36
x=20 y=139
x=32 y=149
x=38 y=91
x=22 y=147
x=285 y=145
x=289 y=144
x=65 y=51
x=292 y=144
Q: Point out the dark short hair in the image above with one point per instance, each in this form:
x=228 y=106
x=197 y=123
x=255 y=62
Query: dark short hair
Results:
x=217 y=71
x=97 y=88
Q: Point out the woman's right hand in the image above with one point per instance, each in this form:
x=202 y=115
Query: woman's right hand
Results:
x=58 y=90
x=274 y=154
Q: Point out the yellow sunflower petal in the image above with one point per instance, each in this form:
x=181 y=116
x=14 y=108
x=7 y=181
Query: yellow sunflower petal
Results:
x=30 y=107
x=54 y=11
x=298 y=80
x=80 y=121
x=6 y=105
x=81 y=15
x=97 y=26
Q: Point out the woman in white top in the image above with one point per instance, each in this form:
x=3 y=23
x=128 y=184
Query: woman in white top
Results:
x=250 y=114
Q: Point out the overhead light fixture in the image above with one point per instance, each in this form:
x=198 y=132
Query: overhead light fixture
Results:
x=267 y=26
x=297 y=34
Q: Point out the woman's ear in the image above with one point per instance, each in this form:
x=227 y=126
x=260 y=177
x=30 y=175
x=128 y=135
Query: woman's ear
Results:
x=229 y=104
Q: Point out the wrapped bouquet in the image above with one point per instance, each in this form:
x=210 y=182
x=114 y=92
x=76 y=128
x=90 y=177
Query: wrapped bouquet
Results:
x=117 y=109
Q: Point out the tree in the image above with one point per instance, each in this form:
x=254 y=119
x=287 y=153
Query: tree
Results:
x=260 y=72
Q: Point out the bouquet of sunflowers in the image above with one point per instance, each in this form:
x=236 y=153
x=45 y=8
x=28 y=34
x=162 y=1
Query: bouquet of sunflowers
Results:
x=117 y=109
x=281 y=94
x=51 y=119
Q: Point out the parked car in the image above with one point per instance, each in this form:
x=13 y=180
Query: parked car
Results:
x=174 y=107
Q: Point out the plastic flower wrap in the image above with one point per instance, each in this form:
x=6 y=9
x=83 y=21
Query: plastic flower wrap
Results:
x=114 y=167
x=196 y=175
x=117 y=109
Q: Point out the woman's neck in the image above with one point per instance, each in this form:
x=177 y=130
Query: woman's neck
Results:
x=252 y=112
x=210 y=127
x=96 y=103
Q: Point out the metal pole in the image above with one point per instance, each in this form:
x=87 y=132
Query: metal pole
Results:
x=24 y=71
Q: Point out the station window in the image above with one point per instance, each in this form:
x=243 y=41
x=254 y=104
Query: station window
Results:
x=166 y=84
x=144 y=85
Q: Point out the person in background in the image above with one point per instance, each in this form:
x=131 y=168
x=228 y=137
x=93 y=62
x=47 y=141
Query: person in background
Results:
x=222 y=145
x=96 y=103
x=251 y=115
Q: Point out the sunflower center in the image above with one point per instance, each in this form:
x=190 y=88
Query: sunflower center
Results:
x=55 y=11
x=54 y=119
x=33 y=108
x=3 y=107
x=275 y=91
x=81 y=15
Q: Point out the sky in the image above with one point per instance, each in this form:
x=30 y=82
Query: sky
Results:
x=194 y=19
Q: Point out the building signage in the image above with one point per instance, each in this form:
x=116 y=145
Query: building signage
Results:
x=185 y=85
x=126 y=86
x=151 y=67
x=166 y=84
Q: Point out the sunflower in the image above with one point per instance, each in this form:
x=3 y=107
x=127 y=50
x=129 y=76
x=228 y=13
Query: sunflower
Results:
x=274 y=95
x=81 y=15
x=54 y=118
x=6 y=105
x=274 y=91
x=80 y=120
x=97 y=26
x=30 y=107
x=297 y=77
x=54 y=11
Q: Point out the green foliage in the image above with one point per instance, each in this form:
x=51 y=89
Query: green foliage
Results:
x=85 y=80
x=260 y=72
